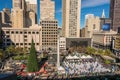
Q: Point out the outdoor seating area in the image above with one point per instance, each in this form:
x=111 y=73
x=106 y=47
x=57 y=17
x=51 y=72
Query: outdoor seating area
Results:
x=84 y=65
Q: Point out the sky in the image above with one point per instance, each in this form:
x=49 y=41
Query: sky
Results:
x=87 y=7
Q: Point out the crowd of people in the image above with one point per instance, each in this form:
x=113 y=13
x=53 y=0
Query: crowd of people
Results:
x=84 y=66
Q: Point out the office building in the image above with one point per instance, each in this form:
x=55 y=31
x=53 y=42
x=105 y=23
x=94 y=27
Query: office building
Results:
x=115 y=14
x=47 y=10
x=62 y=44
x=30 y=18
x=103 y=39
x=78 y=42
x=105 y=24
x=18 y=18
x=92 y=24
x=0 y=19
x=117 y=42
x=49 y=25
x=31 y=5
x=49 y=34
x=82 y=32
x=71 y=18
x=6 y=14
x=18 y=14
x=22 y=37
x=18 y=4
x=60 y=31
x=5 y=17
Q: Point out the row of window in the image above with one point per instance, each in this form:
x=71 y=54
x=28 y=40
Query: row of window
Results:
x=21 y=32
x=49 y=43
x=49 y=25
x=49 y=22
x=20 y=44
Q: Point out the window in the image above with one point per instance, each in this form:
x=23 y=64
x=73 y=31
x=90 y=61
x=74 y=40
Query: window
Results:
x=12 y=32
x=29 y=32
x=16 y=32
x=21 y=32
x=25 y=32
x=7 y=32
x=94 y=27
x=33 y=32
x=25 y=43
x=21 y=43
x=37 y=32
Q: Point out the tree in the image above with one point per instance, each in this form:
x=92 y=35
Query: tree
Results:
x=32 y=64
x=100 y=52
x=1 y=53
x=19 y=51
x=10 y=50
x=90 y=50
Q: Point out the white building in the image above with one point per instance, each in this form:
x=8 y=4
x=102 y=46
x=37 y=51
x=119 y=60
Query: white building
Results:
x=22 y=37
x=71 y=10
x=103 y=39
x=62 y=44
x=92 y=24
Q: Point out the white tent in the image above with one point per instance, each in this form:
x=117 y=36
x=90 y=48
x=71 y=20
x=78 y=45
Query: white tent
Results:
x=88 y=56
x=75 y=57
x=83 y=57
x=69 y=57
x=61 y=70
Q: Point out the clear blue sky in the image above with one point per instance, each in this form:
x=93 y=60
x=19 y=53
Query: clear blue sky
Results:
x=88 y=7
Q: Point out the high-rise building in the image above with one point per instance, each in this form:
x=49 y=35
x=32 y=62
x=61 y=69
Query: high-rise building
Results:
x=115 y=14
x=117 y=42
x=30 y=18
x=47 y=9
x=103 y=14
x=92 y=24
x=18 y=18
x=6 y=17
x=49 y=25
x=31 y=5
x=82 y=32
x=0 y=19
x=31 y=12
x=49 y=34
x=18 y=14
x=71 y=18
x=17 y=4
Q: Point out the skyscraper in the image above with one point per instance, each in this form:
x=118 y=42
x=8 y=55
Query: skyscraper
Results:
x=115 y=14
x=0 y=19
x=71 y=18
x=47 y=9
x=31 y=8
x=31 y=5
x=18 y=14
x=49 y=25
x=30 y=18
x=92 y=24
x=5 y=17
